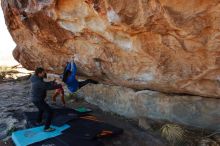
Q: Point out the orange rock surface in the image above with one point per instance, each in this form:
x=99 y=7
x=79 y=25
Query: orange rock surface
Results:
x=165 y=45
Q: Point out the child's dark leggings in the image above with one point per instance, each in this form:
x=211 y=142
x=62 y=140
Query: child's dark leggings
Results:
x=83 y=83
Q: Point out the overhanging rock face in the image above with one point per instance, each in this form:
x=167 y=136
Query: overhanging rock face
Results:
x=165 y=45
x=188 y=110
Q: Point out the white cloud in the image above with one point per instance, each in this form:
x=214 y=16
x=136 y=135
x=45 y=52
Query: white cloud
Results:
x=6 y=44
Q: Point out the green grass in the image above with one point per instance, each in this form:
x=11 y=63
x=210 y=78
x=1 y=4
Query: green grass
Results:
x=4 y=70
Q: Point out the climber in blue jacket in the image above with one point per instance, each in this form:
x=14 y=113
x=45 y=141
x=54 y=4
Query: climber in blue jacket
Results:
x=69 y=78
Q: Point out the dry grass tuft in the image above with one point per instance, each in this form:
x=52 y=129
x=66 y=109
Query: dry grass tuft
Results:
x=207 y=142
x=173 y=133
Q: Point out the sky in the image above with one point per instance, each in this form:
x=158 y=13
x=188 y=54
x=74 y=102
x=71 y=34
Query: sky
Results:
x=6 y=44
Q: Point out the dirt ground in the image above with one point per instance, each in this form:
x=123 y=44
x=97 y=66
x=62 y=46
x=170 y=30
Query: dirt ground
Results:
x=15 y=99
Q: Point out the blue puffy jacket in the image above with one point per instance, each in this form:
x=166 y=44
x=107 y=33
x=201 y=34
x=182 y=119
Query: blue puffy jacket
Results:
x=71 y=82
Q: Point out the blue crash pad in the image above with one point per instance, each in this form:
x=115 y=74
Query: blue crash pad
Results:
x=37 y=134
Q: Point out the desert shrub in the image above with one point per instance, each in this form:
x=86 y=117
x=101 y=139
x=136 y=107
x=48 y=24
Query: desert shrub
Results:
x=173 y=133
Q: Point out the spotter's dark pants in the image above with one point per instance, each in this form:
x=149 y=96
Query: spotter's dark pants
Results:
x=44 y=108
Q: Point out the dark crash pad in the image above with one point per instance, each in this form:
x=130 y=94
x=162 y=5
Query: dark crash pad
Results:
x=90 y=128
x=84 y=129
x=60 y=117
x=67 y=140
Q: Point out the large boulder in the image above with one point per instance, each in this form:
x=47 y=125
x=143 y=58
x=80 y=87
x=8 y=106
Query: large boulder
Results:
x=193 y=111
x=165 y=45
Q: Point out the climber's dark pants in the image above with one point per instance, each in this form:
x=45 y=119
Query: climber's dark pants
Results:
x=83 y=83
